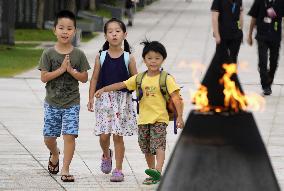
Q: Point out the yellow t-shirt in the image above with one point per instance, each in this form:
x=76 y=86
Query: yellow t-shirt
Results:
x=152 y=106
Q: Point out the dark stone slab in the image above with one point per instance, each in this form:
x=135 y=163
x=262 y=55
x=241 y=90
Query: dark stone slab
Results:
x=219 y=152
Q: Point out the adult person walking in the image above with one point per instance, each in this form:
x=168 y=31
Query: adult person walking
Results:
x=129 y=6
x=227 y=22
x=267 y=16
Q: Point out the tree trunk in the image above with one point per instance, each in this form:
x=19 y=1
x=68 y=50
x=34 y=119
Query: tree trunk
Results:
x=71 y=5
x=40 y=14
x=92 y=5
x=7 y=22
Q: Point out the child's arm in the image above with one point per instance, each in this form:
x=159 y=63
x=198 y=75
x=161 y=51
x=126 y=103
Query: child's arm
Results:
x=47 y=76
x=132 y=66
x=80 y=76
x=179 y=108
x=112 y=87
x=93 y=83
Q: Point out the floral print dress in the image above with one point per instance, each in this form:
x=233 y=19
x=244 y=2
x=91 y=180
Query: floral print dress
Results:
x=115 y=114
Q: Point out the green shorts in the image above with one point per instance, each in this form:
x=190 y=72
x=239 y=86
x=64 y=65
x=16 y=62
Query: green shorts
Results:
x=152 y=137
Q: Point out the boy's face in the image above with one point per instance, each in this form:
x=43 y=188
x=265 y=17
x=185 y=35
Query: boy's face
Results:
x=114 y=34
x=64 y=30
x=153 y=61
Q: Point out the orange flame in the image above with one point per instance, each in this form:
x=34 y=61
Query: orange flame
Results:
x=200 y=99
x=234 y=98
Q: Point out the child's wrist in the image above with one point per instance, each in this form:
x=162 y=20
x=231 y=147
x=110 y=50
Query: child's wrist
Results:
x=74 y=71
x=61 y=71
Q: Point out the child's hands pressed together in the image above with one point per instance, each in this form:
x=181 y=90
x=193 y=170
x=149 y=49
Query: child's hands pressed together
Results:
x=64 y=64
x=99 y=92
x=69 y=68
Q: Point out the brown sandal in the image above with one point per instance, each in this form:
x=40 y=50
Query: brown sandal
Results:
x=53 y=169
x=67 y=178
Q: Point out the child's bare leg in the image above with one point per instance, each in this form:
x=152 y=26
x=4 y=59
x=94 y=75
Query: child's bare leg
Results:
x=69 y=148
x=105 y=142
x=160 y=157
x=119 y=150
x=51 y=144
x=150 y=159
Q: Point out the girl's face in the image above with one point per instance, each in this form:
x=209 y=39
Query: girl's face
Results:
x=114 y=34
x=64 y=30
x=153 y=61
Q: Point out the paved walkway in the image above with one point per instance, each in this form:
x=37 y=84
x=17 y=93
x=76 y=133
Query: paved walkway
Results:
x=185 y=29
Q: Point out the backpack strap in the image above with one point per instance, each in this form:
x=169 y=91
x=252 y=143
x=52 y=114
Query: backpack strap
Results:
x=163 y=85
x=166 y=95
x=102 y=57
x=139 y=91
x=126 y=58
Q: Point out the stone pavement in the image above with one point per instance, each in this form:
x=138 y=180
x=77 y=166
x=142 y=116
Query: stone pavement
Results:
x=185 y=29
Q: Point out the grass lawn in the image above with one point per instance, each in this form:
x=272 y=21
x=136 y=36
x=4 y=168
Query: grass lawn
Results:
x=15 y=60
x=103 y=13
x=88 y=36
x=34 y=35
x=22 y=57
x=44 y=35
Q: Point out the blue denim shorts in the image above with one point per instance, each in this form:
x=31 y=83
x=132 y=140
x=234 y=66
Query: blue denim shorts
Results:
x=60 y=119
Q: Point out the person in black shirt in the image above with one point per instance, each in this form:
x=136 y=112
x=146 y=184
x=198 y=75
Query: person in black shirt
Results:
x=129 y=6
x=267 y=16
x=227 y=22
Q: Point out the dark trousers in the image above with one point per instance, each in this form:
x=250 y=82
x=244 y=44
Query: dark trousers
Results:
x=226 y=52
x=232 y=47
x=267 y=73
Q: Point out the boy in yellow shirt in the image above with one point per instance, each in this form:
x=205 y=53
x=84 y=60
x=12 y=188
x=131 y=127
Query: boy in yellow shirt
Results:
x=153 y=115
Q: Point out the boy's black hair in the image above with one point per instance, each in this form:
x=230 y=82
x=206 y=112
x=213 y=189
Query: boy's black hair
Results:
x=154 y=46
x=65 y=14
x=123 y=27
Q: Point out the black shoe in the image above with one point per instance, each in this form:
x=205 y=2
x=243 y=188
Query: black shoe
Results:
x=267 y=91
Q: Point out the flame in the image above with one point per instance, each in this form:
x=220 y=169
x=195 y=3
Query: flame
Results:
x=200 y=99
x=234 y=98
x=255 y=102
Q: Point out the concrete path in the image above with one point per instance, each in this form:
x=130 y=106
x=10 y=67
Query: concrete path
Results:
x=185 y=29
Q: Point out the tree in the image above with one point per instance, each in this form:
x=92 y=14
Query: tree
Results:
x=7 y=22
x=71 y=5
x=40 y=14
x=92 y=5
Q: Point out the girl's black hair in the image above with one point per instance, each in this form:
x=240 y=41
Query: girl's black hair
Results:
x=65 y=14
x=123 y=27
x=154 y=46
